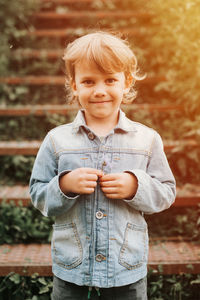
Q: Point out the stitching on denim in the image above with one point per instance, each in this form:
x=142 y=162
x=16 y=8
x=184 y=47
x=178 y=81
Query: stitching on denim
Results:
x=152 y=144
x=78 y=261
x=121 y=259
x=79 y=150
x=53 y=145
x=113 y=150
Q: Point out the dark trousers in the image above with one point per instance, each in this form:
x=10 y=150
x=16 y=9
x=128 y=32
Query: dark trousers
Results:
x=63 y=290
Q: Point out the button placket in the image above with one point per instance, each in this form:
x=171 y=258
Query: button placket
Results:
x=104 y=164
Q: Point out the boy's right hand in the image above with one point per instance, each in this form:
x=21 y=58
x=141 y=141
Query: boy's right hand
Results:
x=80 y=181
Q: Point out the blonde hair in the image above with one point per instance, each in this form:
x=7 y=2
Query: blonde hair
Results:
x=110 y=53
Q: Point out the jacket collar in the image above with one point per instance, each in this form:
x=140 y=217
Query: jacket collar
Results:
x=123 y=124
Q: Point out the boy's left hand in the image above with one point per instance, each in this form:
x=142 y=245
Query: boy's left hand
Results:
x=119 y=185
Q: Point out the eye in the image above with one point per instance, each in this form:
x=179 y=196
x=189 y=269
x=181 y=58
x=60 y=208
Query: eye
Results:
x=87 y=82
x=111 y=80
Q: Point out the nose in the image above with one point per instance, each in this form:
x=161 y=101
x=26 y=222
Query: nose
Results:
x=99 y=91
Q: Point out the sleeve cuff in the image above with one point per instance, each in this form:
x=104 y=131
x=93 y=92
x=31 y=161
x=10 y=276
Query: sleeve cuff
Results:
x=136 y=198
x=70 y=196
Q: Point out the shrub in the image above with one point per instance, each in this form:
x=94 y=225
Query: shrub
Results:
x=23 y=225
x=176 y=287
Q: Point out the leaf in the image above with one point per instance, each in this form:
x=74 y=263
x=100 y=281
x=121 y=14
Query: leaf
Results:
x=44 y=289
x=197 y=281
x=15 y=278
x=42 y=281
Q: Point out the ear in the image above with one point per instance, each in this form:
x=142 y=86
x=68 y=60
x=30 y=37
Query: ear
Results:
x=73 y=86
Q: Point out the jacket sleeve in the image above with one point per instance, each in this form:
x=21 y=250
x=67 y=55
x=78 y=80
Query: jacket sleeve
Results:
x=156 y=186
x=45 y=192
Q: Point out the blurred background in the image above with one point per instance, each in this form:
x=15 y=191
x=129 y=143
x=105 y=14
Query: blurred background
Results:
x=165 y=37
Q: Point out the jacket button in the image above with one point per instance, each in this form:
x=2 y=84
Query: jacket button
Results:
x=99 y=215
x=99 y=257
x=104 y=164
x=90 y=135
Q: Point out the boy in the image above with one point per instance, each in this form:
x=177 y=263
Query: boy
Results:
x=98 y=175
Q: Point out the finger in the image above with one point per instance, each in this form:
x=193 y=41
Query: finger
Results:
x=110 y=190
x=99 y=173
x=88 y=190
x=91 y=177
x=108 y=183
x=108 y=177
x=113 y=196
x=90 y=184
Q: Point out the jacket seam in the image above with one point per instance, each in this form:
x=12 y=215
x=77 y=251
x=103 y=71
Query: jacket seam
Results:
x=53 y=146
x=152 y=144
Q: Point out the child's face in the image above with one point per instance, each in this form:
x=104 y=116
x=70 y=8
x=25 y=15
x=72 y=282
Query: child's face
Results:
x=99 y=93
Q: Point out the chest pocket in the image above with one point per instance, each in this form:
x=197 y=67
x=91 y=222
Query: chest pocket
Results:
x=129 y=161
x=72 y=161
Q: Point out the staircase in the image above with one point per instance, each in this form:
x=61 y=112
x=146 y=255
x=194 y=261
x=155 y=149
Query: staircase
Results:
x=57 y=23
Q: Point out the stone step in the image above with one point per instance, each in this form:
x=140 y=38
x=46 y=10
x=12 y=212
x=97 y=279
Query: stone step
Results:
x=64 y=2
x=50 y=54
x=60 y=80
x=29 y=53
x=166 y=256
x=41 y=110
x=32 y=147
x=90 y=18
x=187 y=196
x=80 y=14
x=69 y=32
x=19 y=148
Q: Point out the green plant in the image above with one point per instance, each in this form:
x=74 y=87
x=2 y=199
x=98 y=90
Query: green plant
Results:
x=20 y=224
x=183 y=222
x=170 y=287
x=19 y=287
x=15 y=21
x=173 y=287
x=25 y=224
x=31 y=95
x=175 y=43
x=15 y=169
x=26 y=127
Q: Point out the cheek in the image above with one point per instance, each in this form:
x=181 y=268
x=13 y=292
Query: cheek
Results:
x=80 y=93
x=83 y=98
x=119 y=92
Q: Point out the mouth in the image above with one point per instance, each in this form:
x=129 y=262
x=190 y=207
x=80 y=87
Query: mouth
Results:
x=100 y=101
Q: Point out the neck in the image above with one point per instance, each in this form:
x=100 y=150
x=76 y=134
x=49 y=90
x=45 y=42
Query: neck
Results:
x=102 y=127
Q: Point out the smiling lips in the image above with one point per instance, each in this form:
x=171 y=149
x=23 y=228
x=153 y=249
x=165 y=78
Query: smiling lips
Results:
x=101 y=102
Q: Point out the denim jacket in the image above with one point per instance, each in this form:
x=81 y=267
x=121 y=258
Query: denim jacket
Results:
x=99 y=241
